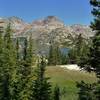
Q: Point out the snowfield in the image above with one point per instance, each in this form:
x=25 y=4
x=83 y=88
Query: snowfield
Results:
x=71 y=67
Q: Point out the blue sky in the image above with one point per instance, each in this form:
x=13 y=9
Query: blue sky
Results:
x=69 y=11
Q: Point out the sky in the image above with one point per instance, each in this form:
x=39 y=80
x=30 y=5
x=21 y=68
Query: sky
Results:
x=69 y=11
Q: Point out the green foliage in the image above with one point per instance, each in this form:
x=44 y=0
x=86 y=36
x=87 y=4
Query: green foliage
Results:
x=63 y=59
x=41 y=85
x=52 y=57
x=25 y=49
x=97 y=90
x=95 y=49
x=15 y=74
x=29 y=56
x=8 y=67
x=56 y=93
x=1 y=65
x=90 y=58
x=72 y=56
x=25 y=71
x=86 y=91
x=95 y=54
x=79 y=51
x=17 y=49
x=56 y=57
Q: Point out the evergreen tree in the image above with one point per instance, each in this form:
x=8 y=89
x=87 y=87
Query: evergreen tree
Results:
x=17 y=49
x=41 y=86
x=55 y=55
x=9 y=77
x=58 y=55
x=25 y=49
x=29 y=55
x=87 y=91
x=63 y=59
x=72 y=56
x=95 y=49
x=56 y=93
x=26 y=70
x=26 y=63
x=1 y=65
x=51 y=56
x=79 y=51
x=19 y=82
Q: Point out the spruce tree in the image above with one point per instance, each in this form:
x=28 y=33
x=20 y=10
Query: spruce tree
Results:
x=87 y=91
x=9 y=76
x=58 y=55
x=29 y=55
x=79 y=51
x=26 y=63
x=26 y=70
x=95 y=49
x=25 y=49
x=1 y=65
x=56 y=93
x=51 y=56
x=55 y=55
x=41 y=85
x=17 y=49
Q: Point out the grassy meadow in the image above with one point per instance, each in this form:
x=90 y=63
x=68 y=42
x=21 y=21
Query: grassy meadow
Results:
x=66 y=80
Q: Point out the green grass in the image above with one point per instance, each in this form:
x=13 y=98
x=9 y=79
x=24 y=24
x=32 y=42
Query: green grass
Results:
x=66 y=79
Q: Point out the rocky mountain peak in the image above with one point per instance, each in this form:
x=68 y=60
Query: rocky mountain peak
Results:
x=44 y=26
x=52 y=19
x=49 y=22
x=16 y=19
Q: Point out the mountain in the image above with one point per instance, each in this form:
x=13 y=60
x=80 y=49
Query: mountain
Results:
x=46 y=29
x=50 y=22
x=17 y=24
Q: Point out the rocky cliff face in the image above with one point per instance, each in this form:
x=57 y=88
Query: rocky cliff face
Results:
x=43 y=30
x=17 y=24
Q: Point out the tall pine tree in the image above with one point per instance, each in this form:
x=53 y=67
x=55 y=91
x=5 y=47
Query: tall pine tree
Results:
x=55 y=55
x=41 y=85
x=56 y=93
x=1 y=65
x=95 y=49
x=26 y=70
x=9 y=66
x=86 y=91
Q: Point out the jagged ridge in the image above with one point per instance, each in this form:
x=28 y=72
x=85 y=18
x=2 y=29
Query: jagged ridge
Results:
x=43 y=29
